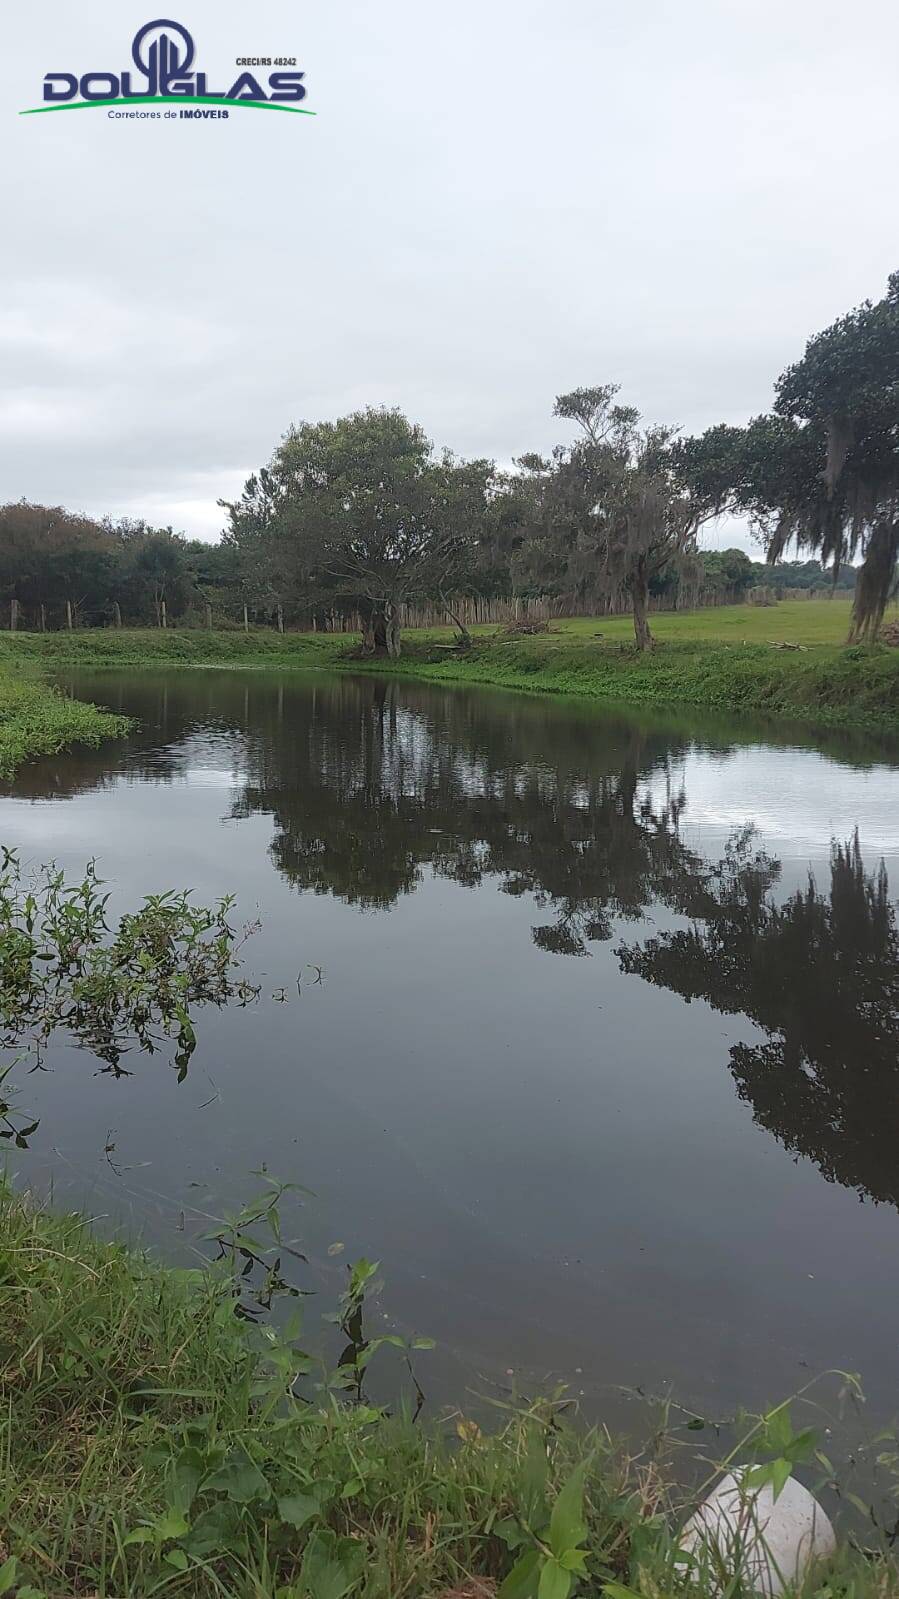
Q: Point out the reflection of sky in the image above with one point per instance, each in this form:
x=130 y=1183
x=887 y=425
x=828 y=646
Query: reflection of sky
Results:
x=796 y=798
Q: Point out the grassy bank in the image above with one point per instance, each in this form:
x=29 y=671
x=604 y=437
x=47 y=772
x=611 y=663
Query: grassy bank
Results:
x=37 y=720
x=152 y=1442
x=724 y=659
x=827 y=687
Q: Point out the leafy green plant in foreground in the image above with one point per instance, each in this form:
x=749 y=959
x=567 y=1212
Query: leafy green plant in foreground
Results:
x=63 y=968
x=153 y=1441
x=553 y=1537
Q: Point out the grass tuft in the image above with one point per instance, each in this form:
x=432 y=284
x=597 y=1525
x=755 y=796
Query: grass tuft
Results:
x=35 y=719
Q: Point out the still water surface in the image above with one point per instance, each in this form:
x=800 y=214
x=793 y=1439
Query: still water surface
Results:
x=608 y=1088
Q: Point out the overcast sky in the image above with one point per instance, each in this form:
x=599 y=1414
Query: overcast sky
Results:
x=498 y=200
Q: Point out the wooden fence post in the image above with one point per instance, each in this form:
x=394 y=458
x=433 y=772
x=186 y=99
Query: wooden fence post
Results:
x=69 y=615
x=43 y=618
x=13 y=615
x=246 y=621
x=117 y=613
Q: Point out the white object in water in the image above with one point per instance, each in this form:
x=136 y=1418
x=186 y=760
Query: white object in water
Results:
x=771 y=1542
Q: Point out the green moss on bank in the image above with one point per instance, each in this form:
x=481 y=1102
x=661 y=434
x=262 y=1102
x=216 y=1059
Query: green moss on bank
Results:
x=35 y=719
x=819 y=683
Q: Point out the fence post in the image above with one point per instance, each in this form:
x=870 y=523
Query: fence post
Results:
x=69 y=615
x=13 y=615
x=43 y=618
x=117 y=613
x=280 y=617
x=162 y=615
x=246 y=621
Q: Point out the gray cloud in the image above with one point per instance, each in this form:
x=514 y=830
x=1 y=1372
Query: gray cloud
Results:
x=494 y=202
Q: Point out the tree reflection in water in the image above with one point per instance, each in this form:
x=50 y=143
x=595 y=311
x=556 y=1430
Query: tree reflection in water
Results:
x=591 y=831
x=820 y=975
x=371 y=784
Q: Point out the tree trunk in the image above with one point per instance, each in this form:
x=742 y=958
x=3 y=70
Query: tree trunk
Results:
x=209 y=616
x=43 y=618
x=640 y=601
x=69 y=615
x=117 y=613
x=246 y=621
x=374 y=632
x=392 y=631
x=163 y=616
x=280 y=617
x=455 y=616
x=13 y=615
x=874 y=582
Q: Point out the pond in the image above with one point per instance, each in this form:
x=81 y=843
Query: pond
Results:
x=554 y=1021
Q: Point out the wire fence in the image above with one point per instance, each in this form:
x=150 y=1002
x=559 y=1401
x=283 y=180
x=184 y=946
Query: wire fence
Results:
x=470 y=610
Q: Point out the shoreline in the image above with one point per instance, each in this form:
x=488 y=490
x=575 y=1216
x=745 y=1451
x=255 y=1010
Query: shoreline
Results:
x=816 y=685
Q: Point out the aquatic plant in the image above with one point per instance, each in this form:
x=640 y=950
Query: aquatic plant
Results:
x=64 y=969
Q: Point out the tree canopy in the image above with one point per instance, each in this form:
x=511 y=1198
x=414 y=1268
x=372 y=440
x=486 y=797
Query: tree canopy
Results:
x=609 y=510
x=61 y=565
x=822 y=470
x=361 y=509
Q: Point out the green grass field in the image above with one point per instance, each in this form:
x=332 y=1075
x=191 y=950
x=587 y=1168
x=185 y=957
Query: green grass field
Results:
x=807 y=622
x=794 y=621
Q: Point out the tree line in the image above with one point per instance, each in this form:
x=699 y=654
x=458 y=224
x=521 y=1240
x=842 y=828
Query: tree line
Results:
x=61 y=569
x=361 y=518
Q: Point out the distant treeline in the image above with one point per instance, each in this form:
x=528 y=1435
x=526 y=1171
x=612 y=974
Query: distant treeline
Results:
x=61 y=570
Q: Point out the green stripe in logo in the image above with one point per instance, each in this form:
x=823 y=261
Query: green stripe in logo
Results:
x=168 y=99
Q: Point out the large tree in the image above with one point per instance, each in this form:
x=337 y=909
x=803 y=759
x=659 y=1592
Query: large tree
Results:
x=361 y=510
x=846 y=390
x=609 y=510
x=822 y=471
x=158 y=572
